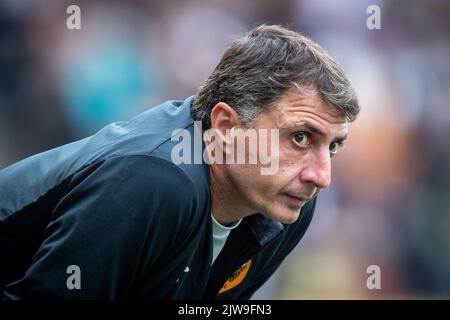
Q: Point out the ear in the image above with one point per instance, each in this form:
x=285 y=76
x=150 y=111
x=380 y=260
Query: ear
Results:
x=224 y=117
x=218 y=139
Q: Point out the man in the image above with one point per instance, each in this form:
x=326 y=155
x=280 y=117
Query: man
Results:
x=115 y=216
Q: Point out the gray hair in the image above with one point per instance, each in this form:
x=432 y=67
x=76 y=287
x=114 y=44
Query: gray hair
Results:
x=257 y=69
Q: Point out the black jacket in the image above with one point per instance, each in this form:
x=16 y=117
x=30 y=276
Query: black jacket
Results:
x=136 y=224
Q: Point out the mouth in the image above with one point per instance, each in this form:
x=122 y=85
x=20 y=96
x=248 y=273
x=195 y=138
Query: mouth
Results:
x=295 y=201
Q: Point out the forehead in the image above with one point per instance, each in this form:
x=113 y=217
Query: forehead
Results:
x=296 y=108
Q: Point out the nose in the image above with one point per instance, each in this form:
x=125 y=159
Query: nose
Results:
x=317 y=170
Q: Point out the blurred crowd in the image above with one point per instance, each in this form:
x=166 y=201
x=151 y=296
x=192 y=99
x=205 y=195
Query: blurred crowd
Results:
x=389 y=203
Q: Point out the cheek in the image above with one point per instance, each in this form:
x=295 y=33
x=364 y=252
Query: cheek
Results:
x=268 y=186
x=291 y=164
x=248 y=179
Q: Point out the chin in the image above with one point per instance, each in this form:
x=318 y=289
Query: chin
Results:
x=284 y=215
x=289 y=219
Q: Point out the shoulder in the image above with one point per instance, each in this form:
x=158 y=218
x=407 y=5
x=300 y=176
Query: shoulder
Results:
x=143 y=195
x=145 y=169
x=142 y=175
x=138 y=183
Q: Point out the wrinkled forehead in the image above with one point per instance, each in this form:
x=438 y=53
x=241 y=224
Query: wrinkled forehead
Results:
x=297 y=107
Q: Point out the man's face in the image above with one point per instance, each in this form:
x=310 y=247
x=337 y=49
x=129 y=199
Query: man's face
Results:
x=310 y=133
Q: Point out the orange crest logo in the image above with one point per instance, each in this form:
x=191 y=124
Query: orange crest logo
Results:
x=237 y=277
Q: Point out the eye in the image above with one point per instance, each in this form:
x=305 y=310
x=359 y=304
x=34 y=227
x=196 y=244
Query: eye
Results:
x=301 y=138
x=334 y=147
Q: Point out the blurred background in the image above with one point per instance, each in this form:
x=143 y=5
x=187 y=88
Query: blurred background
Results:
x=389 y=204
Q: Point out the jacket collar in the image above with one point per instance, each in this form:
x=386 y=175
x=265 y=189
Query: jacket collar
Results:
x=264 y=229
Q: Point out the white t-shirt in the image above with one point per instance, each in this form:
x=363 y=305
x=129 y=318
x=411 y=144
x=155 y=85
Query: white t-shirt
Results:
x=220 y=235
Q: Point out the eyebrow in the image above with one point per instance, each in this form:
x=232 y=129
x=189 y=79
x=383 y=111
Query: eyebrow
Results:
x=319 y=132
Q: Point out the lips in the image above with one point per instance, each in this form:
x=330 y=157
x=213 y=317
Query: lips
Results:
x=297 y=197
x=295 y=200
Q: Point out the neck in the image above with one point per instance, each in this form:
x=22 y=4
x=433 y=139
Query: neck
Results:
x=226 y=204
